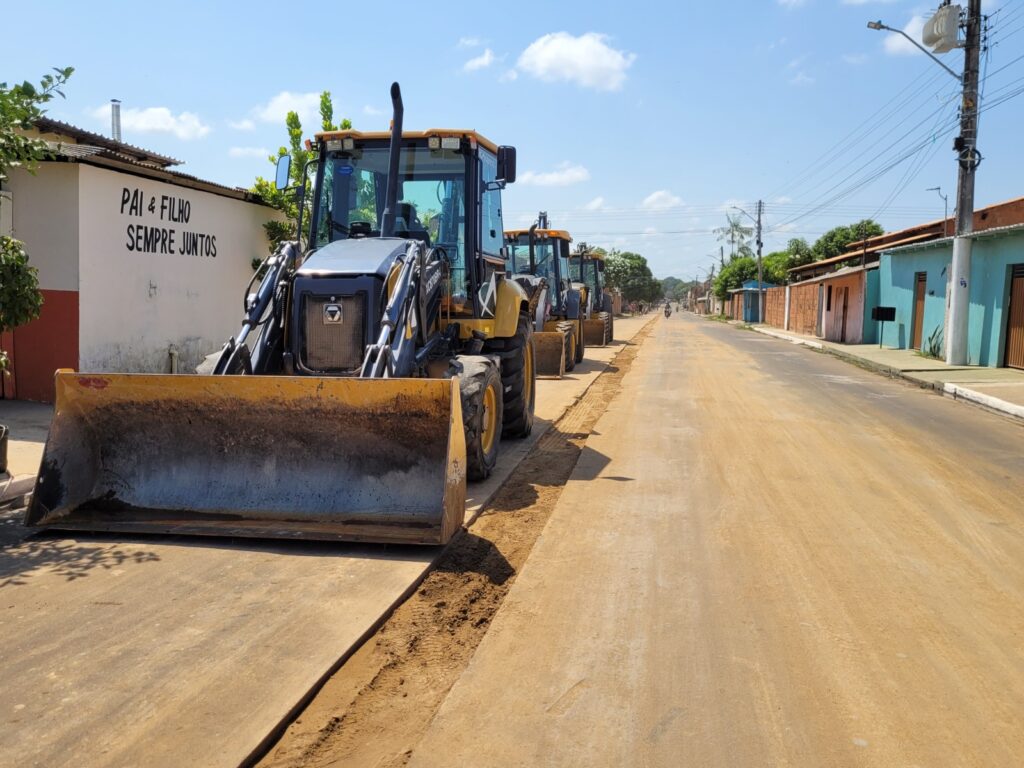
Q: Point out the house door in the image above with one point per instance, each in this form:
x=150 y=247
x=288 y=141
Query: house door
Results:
x=846 y=307
x=818 y=326
x=920 y=283
x=1015 y=321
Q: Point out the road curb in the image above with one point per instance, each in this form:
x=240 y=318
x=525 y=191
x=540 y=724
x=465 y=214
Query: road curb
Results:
x=946 y=389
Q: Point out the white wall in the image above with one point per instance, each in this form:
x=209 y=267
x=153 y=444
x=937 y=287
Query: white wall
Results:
x=44 y=215
x=138 y=298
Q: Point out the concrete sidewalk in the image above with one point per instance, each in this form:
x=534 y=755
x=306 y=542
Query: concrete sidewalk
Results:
x=998 y=389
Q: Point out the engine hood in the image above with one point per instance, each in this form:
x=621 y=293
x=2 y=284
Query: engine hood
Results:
x=362 y=256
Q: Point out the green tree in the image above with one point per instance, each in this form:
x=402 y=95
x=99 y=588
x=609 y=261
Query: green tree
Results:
x=735 y=233
x=20 y=107
x=775 y=267
x=733 y=274
x=285 y=200
x=835 y=241
x=629 y=273
x=799 y=251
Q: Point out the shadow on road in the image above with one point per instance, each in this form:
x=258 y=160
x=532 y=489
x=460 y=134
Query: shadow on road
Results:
x=68 y=559
x=470 y=553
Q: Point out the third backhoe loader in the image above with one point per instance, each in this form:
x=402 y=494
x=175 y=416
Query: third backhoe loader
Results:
x=375 y=368
x=587 y=272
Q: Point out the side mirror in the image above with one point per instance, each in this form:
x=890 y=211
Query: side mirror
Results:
x=600 y=265
x=284 y=167
x=507 y=164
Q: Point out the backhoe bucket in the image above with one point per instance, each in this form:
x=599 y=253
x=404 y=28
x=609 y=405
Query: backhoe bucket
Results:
x=266 y=456
x=549 y=353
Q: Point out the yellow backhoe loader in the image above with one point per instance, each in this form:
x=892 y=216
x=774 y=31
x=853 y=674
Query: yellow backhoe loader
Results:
x=376 y=367
x=538 y=259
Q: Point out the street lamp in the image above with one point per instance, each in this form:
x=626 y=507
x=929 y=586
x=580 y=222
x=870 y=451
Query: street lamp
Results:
x=760 y=282
x=945 y=214
x=879 y=26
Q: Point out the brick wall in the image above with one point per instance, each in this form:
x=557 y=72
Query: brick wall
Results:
x=775 y=306
x=803 y=308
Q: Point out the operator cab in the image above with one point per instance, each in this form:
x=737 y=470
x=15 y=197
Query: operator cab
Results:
x=439 y=173
x=550 y=257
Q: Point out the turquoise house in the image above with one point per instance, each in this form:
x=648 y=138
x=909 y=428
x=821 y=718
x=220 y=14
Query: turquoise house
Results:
x=913 y=279
x=743 y=304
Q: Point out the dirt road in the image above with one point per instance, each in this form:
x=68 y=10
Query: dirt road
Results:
x=764 y=557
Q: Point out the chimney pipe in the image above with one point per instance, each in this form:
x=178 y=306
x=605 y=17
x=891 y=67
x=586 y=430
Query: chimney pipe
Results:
x=115 y=119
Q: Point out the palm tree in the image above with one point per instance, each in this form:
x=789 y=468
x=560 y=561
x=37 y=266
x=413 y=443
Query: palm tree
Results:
x=734 y=233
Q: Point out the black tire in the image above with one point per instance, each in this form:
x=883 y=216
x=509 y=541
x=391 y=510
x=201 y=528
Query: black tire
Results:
x=518 y=378
x=479 y=375
x=568 y=328
x=607 y=317
x=581 y=345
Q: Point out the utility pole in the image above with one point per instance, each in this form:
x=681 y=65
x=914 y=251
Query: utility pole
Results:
x=760 y=289
x=968 y=158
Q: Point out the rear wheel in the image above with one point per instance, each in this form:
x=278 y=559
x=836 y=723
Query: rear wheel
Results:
x=518 y=378
x=580 y=343
x=607 y=317
x=568 y=328
x=480 y=390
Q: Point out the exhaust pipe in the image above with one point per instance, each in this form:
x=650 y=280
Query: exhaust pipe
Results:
x=387 y=225
x=115 y=119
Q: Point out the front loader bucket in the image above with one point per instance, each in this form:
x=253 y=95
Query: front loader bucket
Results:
x=267 y=456
x=549 y=353
x=594 y=333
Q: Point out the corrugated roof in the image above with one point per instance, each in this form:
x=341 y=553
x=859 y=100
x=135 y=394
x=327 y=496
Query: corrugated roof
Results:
x=982 y=235
x=88 y=138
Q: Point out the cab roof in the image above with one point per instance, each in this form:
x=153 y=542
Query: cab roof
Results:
x=473 y=136
x=558 y=234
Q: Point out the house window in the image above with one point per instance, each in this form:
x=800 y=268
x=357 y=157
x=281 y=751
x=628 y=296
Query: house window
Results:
x=828 y=299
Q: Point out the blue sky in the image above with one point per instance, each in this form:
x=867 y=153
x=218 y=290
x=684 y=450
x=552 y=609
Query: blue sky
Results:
x=637 y=125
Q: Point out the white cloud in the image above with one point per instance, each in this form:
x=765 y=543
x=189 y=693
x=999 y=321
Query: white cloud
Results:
x=898 y=45
x=185 y=125
x=586 y=60
x=782 y=200
x=855 y=58
x=469 y=42
x=649 y=231
x=791 y=3
x=594 y=205
x=508 y=76
x=248 y=152
x=660 y=200
x=242 y=125
x=482 y=61
x=866 y=2
x=307 y=105
x=801 y=78
x=785 y=227
x=566 y=175
x=372 y=111
x=794 y=63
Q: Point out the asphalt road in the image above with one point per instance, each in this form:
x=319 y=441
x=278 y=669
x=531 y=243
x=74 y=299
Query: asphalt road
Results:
x=786 y=561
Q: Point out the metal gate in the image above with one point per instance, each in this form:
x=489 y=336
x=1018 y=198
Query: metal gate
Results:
x=1015 y=319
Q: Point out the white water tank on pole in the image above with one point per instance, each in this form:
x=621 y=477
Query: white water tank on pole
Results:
x=940 y=31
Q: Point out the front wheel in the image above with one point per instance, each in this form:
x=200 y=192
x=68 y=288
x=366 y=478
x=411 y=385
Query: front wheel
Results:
x=518 y=378
x=480 y=390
